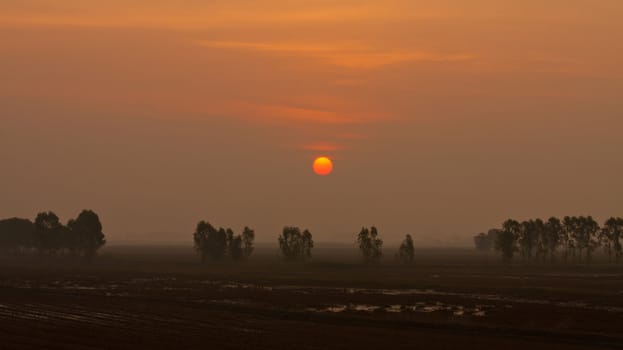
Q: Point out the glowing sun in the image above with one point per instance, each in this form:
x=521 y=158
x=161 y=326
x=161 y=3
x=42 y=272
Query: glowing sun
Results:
x=323 y=166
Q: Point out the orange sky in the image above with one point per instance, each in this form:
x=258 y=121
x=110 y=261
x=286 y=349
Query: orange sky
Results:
x=443 y=117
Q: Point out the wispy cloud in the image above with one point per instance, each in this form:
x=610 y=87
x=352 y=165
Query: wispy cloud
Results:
x=322 y=147
x=298 y=114
x=348 y=55
x=283 y=46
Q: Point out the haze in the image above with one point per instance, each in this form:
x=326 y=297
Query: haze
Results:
x=442 y=117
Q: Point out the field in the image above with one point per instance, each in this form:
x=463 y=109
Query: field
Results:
x=162 y=297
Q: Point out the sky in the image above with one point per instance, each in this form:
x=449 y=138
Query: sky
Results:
x=443 y=118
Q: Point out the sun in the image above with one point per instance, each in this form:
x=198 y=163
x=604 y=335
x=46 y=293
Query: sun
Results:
x=323 y=166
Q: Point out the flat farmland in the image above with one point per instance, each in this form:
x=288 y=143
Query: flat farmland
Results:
x=162 y=297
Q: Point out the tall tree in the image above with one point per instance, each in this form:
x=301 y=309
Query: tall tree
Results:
x=540 y=244
x=406 y=252
x=294 y=244
x=234 y=245
x=248 y=236
x=370 y=245
x=570 y=229
x=552 y=236
x=48 y=233
x=587 y=237
x=217 y=244
x=506 y=240
x=307 y=244
x=229 y=234
x=611 y=236
x=528 y=237
x=200 y=237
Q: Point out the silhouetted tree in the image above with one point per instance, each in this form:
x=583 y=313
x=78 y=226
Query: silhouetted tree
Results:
x=370 y=245
x=85 y=234
x=480 y=242
x=308 y=244
x=213 y=243
x=200 y=237
x=248 y=236
x=570 y=229
x=217 y=244
x=582 y=233
x=589 y=236
x=610 y=237
x=16 y=235
x=552 y=236
x=577 y=236
x=235 y=248
x=506 y=240
x=540 y=248
x=229 y=235
x=48 y=233
x=294 y=244
x=486 y=242
x=528 y=237
x=406 y=252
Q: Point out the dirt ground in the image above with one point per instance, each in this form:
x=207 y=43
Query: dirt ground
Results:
x=162 y=297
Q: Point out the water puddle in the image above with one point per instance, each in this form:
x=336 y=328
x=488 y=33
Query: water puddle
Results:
x=421 y=307
x=172 y=284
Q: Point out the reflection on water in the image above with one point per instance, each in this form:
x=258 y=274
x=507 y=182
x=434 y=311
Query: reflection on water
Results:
x=456 y=310
x=124 y=288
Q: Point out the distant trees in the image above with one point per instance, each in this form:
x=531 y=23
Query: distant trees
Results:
x=215 y=244
x=486 y=241
x=611 y=236
x=505 y=241
x=406 y=252
x=370 y=245
x=16 y=236
x=552 y=237
x=294 y=244
x=200 y=238
x=82 y=236
x=48 y=233
x=248 y=236
x=574 y=237
x=234 y=243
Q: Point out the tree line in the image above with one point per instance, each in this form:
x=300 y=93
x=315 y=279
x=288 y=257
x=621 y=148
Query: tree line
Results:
x=82 y=236
x=213 y=243
x=294 y=244
x=574 y=238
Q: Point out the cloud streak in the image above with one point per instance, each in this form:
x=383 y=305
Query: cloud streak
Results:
x=322 y=147
x=297 y=114
x=346 y=55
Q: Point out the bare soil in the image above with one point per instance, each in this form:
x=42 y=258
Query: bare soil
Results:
x=162 y=297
